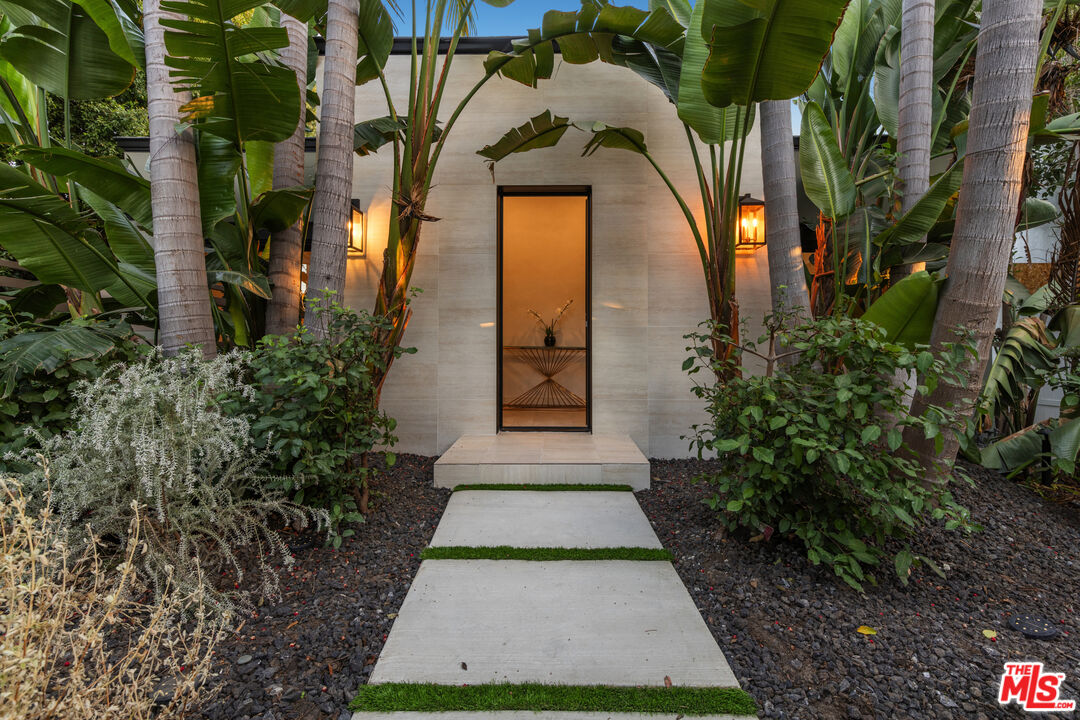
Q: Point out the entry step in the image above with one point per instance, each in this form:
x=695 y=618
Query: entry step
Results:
x=543 y=458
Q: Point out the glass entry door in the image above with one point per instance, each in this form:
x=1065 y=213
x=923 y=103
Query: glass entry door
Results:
x=544 y=355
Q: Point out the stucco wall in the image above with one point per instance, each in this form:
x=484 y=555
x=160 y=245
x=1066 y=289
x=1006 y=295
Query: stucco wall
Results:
x=647 y=289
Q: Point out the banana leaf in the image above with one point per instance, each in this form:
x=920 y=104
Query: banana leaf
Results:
x=27 y=353
x=106 y=177
x=275 y=210
x=123 y=30
x=1025 y=355
x=826 y=178
x=47 y=237
x=376 y=40
x=66 y=53
x=767 y=50
x=712 y=124
x=236 y=97
x=544 y=130
x=906 y=310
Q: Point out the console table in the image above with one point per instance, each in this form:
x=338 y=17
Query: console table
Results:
x=548 y=394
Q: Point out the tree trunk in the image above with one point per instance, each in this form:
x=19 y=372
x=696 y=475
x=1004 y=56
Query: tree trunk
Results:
x=183 y=298
x=916 y=107
x=986 y=212
x=333 y=171
x=287 y=246
x=786 y=274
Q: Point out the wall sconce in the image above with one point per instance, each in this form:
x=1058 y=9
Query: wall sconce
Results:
x=357 y=229
x=751 y=222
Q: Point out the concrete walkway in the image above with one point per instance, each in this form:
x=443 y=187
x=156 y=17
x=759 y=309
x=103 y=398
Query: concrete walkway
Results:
x=567 y=622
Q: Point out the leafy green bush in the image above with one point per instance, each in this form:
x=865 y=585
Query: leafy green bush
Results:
x=815 y=450
x=149 y=443
x=318 y=409
x=42 y=365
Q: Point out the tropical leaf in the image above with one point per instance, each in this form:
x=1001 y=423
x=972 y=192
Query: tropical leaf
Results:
x=887 y=82
x=303 y=10
x=29 y=352
x=38 y=300
x=1025 y=355
x=259 y=162
x=679 y=9
x=255 y=284
x=913 y=225
x=1037 y=212
x=766 y=50
x=276 y=210
x=376 y=40
x=67 y=54
x=124 y=33
x=825 y=174
x=906 y=310
x=126 y=239
x=603 y=32
x=370 y=135
x=238 y=96
x=1014 y=452
x=219 y=162
x=712 y=124
x=544 y=130
x=47 y=237
x=106 y=177
x=618 y=138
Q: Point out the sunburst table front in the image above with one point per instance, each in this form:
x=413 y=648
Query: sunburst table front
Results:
x=548 y=394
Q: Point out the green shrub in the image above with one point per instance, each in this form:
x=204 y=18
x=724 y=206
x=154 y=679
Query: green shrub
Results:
x=39 y=378
x=149 y=443
x=815 y=451
x=318 y=409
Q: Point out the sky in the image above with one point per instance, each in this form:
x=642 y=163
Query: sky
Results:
x=513 y=20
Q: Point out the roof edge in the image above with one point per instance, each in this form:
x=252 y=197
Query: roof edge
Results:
x=466 y=45
x=131 y=144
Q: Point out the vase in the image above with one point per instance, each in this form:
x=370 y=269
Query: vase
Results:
x=549 y=341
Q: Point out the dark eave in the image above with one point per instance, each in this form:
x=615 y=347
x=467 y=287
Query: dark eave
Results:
x=466 y=45
x=142 y=144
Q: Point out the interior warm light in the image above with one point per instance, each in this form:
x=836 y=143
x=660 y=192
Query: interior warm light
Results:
x=751 y=222
x=487 y=324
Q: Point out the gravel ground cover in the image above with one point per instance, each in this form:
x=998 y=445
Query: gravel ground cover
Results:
x=304 y=656
x=789 y=629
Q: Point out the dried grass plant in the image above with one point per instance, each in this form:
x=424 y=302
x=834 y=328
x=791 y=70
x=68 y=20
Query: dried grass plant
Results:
x=77 y=639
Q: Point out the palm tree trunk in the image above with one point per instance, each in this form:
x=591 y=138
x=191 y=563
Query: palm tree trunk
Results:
x=986 y=212
x=916 y=107
x=784 y=245
x=333 y=170
x=287 y=246
x=183 y=299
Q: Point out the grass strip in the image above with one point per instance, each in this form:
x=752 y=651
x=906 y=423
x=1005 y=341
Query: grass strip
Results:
x=505 y=552
x=410 y=697
x=557 y=487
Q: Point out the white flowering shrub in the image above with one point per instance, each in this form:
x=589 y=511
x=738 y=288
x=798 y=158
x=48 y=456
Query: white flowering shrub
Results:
x=151 y=438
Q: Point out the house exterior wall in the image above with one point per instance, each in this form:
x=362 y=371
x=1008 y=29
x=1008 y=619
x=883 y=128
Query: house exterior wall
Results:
x=647 y=292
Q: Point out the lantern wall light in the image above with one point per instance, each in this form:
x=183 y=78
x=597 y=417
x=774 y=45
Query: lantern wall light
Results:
x=751 y=222
x=357 y=229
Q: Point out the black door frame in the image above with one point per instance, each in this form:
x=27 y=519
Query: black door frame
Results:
x=545 y=191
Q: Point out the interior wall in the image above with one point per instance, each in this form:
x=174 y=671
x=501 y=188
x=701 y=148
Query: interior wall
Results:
x=543 y=266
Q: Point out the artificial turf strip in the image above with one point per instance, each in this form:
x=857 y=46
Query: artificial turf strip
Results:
x=423 y=697
x=559 y=487
x=505 y=552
